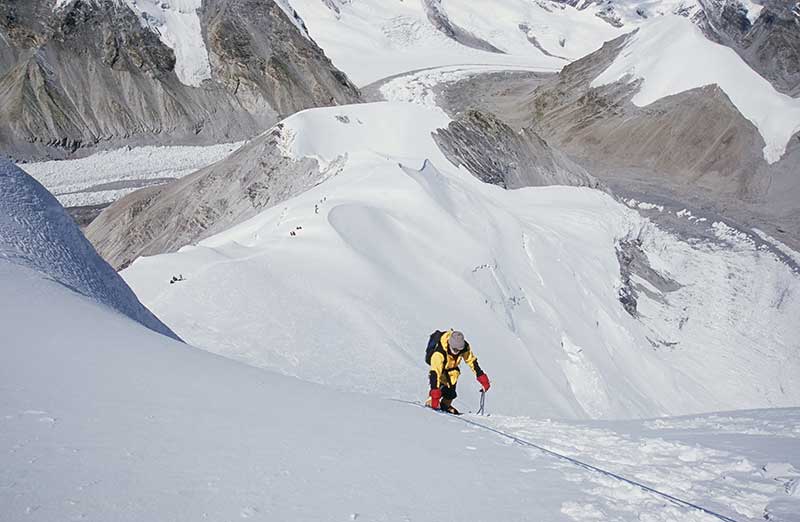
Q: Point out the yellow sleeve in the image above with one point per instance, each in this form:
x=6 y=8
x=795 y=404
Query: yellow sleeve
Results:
x=472 y=362
x=437 y=369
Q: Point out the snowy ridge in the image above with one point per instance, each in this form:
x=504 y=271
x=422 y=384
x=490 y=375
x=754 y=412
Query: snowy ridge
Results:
x=397 y=241
x=660 y=48
x=36 y=233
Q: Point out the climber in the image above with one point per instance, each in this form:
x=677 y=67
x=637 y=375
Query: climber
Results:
x=444 y=353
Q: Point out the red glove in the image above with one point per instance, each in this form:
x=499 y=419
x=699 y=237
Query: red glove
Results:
x=484 y=380
x=436 y=396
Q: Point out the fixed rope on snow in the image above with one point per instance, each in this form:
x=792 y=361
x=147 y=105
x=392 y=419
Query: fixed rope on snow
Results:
x=585 y=465
x=667 y=496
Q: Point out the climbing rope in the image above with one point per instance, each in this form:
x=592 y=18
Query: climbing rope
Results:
x=667 y=496
x=675 y=500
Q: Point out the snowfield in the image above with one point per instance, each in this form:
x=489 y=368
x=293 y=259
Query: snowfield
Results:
x=668 y=44
x=398 y=242
x=104 y=419
x=374 y=39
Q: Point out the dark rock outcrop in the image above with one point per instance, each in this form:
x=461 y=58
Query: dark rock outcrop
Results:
x=496 y=154
x=90 y=75
x=770 y=45
x=439 y=19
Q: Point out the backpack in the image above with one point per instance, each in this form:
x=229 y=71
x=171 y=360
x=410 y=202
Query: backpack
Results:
x=434 y=345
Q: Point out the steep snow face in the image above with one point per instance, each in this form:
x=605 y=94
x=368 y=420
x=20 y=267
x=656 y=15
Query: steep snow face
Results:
x=342 y=284
x=670 y=55
x=36 y=233
x=130 y=425
x=105 y=420
x=374 y=39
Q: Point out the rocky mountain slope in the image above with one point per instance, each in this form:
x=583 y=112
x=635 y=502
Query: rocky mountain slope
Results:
x=164 y=218
x=676 y=131
x=768 y=42
x=495 y=153
x=81 y=74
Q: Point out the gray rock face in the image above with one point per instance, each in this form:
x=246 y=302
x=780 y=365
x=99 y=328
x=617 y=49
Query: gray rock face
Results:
x=697 y=135
x=162 y=219
x=693 y=144
x=260 y=56
x=771 y=45
x=633 y=262
x=496 y=154
x=89 y=75
x=438 y=17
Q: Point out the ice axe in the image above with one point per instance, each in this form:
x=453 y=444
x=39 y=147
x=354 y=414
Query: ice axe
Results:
x=482 y=409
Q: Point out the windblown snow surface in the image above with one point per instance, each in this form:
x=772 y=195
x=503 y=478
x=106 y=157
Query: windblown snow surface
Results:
x=341 y=284
x=37 y=234
x=670 y=55
x=103 y=419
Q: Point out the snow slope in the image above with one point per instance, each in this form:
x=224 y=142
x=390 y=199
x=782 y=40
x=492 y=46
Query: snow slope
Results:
x=342 y=284
x=36 y=233
x=108 y=420
x=671 y=55
x=374 y=39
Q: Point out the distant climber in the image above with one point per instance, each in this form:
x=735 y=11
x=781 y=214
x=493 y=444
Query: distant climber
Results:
x=176 y=279
x=444 y=353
